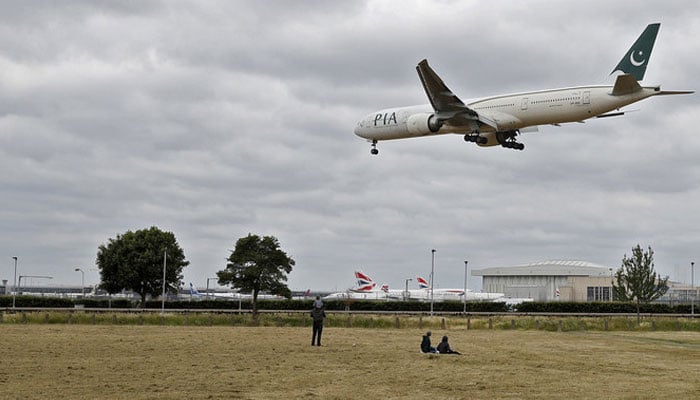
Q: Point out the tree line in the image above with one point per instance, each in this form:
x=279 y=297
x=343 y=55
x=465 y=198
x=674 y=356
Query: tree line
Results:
x=148 y=261
x=139 y=261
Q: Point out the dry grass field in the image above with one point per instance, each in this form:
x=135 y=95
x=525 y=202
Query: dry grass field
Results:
x=185 y=362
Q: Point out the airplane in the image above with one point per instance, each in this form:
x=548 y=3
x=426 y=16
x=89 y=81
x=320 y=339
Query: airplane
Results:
x=232 y=295
x=454 y=294
x=365 y=290
x=498 y=120
x=236 y=296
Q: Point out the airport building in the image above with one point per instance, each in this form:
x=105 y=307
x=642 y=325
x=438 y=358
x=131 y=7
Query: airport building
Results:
x=557 y=280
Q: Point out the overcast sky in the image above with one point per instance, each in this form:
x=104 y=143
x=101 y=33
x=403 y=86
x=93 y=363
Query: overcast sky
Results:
x=215 y=119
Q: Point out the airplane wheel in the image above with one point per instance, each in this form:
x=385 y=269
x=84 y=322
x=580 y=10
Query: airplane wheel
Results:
x=374 y=152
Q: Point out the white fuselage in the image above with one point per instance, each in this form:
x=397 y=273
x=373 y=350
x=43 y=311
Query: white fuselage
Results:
x=510 y=112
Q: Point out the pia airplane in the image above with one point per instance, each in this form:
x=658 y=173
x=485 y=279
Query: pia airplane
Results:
x=499 y=120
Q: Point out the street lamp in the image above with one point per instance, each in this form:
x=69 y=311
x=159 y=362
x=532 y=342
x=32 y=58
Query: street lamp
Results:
x=14 y=292
x=405 y=295
x=208 y=279
x=82 y=277
x=465 y=286
x=692 y=287
x=432 y=280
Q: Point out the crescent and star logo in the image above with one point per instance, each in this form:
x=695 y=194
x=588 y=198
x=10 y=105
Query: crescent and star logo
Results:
x=635 y=62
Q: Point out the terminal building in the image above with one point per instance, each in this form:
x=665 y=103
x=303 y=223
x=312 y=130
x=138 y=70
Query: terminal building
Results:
x=554 y=280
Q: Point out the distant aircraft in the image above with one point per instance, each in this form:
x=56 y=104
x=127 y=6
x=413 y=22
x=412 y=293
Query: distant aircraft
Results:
x=456 y=294
x=366 y=289
x=232 y=295
x=498 y=120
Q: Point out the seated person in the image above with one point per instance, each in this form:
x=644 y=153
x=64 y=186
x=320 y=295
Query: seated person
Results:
x=444 y=347
x=425 y=346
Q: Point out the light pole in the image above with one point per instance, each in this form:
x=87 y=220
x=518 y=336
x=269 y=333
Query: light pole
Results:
x=14 y=292
x=208 y=279
x=405 y=294
x=432 y=280
x=465 y=286
x=82 y=274
x=165 y=266
x=692 y=287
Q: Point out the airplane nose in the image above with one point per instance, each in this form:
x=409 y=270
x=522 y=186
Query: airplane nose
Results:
x=359 y=129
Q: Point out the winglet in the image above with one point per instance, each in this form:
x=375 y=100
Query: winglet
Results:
x=636 y=59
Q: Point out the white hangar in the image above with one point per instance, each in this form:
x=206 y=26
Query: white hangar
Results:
x=554 y=280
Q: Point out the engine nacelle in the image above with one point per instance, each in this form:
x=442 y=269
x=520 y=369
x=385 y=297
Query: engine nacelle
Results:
x=422 y=124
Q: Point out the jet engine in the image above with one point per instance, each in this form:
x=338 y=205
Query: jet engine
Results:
x=423 y=124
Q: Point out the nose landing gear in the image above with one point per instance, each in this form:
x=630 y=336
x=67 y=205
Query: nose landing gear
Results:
x=374 y=150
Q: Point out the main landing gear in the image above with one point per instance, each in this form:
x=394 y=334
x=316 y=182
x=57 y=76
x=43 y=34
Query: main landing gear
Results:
x=507 y=140
x=476 y=138
x=374 y=150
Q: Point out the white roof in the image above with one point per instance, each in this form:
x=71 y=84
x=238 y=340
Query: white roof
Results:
x=547 y=268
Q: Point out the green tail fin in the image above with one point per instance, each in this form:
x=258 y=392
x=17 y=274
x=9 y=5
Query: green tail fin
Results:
x=637 y=57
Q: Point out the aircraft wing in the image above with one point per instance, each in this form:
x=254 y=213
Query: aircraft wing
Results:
x=448 y=107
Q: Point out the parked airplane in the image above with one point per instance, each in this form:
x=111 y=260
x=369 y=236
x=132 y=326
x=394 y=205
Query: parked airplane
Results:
x=498 y=120
x=232 y=295
x=456 y=294
x=366 y=290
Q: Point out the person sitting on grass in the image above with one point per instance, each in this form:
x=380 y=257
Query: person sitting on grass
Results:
x=425 y=346
x=444 y=347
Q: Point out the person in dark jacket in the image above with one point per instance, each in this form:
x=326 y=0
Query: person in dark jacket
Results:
x=317 y=314
x=444 y=347
x=425 y=346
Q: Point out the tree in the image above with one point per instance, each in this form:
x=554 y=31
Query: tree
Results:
x=134 y=261
x=257 y=264
x=637 y=281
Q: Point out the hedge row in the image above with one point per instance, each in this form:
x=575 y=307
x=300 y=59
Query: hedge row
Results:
x=598 y=307
x=338 y=305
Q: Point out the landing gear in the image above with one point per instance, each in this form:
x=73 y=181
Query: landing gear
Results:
x=507 y=140
x=476 y=138
x=374 y=150
x=512 y=144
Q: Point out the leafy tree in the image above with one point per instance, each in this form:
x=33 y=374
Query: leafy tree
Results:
x=134 y=261
x=257 y=264
x=637 y=281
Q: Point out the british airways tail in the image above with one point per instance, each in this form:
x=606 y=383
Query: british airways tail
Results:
x=364 y=282
x=422 y=283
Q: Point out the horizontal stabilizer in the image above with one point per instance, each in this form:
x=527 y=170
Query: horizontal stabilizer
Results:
x=672 y=92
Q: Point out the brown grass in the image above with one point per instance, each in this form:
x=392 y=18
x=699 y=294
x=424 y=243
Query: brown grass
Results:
x=186 y=362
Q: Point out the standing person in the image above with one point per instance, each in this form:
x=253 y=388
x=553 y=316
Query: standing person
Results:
x=317 y=314
x=444 y=347
x=318 y=303
x=425 y=346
